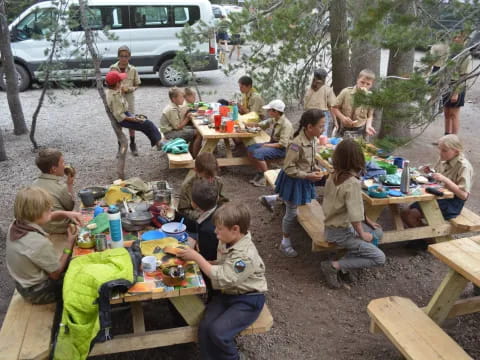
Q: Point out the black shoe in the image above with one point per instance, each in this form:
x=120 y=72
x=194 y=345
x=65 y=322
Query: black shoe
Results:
x=133 y=149
x=263 y=200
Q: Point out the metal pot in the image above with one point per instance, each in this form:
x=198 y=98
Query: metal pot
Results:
x=139 y=217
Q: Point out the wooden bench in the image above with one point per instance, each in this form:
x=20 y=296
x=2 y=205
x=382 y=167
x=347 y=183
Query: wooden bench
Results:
x=467 y=221
x=414 y=334
x=180 y=161
x=26 y=331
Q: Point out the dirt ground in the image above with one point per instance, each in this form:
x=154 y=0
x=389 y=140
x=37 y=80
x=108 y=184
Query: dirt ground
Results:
x=310 y=320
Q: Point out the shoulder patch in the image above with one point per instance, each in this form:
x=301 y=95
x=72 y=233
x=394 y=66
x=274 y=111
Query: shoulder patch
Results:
x=294 y=147
x=239 y=266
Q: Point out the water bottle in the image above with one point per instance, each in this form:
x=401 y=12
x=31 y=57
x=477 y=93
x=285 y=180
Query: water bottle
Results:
x=235 y=112
x=115 y=224
x=405 y=179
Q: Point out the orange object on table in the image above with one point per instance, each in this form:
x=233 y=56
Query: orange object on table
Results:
x=229 y=126
x=224 y=110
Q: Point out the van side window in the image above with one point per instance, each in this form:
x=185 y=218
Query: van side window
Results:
x=150 y=16
x=34 y=24
x=185 y=15
x=100 y=17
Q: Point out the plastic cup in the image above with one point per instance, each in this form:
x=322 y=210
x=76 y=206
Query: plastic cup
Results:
x=229 y=126
x=323 y=140
x=149 y=263
x=224 y=110
x=398 y=162
x=217 y=121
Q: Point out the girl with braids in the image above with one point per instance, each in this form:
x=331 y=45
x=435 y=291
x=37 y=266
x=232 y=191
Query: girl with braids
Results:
x=345 y=222
x=295 y=184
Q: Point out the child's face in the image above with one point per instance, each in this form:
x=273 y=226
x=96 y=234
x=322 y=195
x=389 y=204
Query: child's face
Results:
x=123 y=58
x=178 y=100
x=317 y=129
x=364 y=83
x=190 y=98
x=273 y=114
x=317 y=84
x=244 y=88
x=45 y=218
x=226 y=235
x=446 y=153
x=59 y=170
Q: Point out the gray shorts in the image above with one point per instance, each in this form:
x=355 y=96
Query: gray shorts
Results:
x=187 y=133
x=46 y=292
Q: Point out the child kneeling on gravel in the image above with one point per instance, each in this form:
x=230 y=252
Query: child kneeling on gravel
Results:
x=239 y=273
x=118 y=106
x=345 y=222
x=31 y=258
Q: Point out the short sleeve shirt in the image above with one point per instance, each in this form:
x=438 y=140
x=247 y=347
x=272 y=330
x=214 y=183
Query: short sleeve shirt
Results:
x=282 y=130
x=343 y=204
x=440 y=52
x=240 y=268
x=171 y=118
x=131 y=82
x=62 y=200
x=117 y=104
x=31 y=258
x=459 y=170
x=322 y=99
x=345 y=104
x=253 y=101
x=300 y=157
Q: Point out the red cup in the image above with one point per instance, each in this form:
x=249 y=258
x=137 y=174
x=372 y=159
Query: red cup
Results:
x=224 y=110
x=229 y=126
x=217 y=121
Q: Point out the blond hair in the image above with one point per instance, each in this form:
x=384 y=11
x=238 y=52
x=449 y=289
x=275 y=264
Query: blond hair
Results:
x=31 y=203
x=451 y=141
x=174 y=92
x=48 y=158
x=366 y=73
x=189 y=92
x=231 y=214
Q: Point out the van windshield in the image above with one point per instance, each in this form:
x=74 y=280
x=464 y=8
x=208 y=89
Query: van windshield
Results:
x=35 y=24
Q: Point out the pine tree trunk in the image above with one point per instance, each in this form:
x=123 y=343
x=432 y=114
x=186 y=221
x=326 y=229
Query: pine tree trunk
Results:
x=400 y=63
x=13 y=98
x=339 y=44
x=3 y=153
x=90 y=42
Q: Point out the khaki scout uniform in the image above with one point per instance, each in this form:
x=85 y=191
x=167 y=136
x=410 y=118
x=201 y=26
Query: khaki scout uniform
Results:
x=440 y=52
x=132 y=82
x=359 y=114
x=300 y=158
x=253 y=101
x=185 y=201
x=171 y=118
x=240 y=268
x=117 y=104
x=459 y=170
x=322 y=99
x=62 y=200
x=282 y=130
x=343 y=204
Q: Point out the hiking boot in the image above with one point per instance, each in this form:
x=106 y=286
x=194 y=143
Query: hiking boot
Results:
x=263 y=200
x=330 y=274
x=260 y=182
x=133 y=149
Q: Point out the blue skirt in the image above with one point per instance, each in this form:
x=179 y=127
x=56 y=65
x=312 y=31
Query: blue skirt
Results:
x=294 y=190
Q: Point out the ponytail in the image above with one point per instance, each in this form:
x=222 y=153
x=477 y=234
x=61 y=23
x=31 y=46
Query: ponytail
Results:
x=309 y=117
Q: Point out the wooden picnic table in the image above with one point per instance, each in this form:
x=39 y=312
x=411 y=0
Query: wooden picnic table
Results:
x=463 y=258
x=436 y=226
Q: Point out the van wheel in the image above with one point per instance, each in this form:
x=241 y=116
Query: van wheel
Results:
x=22 y=76
x=169 y=76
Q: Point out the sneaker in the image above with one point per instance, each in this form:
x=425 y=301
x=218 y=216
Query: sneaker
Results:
x=260 y=182
x=347 y=277
x=330 y=274
x=255 y=178
x=263 y=200
x=288 y=251
x=133 y=149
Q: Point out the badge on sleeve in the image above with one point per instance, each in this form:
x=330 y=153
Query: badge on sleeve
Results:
x=294 y=147
x=239 y=266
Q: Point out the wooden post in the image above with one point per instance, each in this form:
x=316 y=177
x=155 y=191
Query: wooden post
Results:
x=434 y=216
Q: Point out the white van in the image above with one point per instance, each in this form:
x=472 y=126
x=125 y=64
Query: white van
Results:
x=147 y=27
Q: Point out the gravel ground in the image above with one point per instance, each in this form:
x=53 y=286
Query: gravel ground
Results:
x=311 y=321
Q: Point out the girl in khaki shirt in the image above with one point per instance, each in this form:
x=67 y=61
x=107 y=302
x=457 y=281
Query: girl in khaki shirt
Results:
x=295 y=183
x=344 y=216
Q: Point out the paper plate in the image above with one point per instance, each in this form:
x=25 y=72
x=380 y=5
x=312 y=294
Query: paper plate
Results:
x=395 y=193
x=153 y=235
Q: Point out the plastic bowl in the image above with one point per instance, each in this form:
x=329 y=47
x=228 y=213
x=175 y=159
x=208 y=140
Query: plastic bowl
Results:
x=174 y=228
x=377 y=191
x=153 y=235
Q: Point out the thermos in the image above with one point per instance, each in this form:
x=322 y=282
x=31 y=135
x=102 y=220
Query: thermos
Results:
x=115 y=224
x=405 y=179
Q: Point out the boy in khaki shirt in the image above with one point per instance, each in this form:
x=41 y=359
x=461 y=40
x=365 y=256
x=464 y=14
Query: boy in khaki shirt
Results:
x=129 y=85
x=174 y=122
x=251 y=99
x=344 y=216
x=357 y=119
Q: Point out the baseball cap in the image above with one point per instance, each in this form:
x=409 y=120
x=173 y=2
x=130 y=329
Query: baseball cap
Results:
x=278 y=105
x=114 y=77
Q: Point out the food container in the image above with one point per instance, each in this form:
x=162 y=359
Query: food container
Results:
x=377 y=191
x=173 y=275
x=85 y=240
x=176 y=230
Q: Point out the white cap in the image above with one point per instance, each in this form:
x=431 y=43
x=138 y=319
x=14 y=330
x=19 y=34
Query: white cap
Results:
x=278 y=105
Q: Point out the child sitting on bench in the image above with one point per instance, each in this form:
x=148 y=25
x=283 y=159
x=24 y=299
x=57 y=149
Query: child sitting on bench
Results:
x=31 y=259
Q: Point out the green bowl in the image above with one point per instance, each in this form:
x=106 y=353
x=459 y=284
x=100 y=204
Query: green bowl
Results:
x=391 y=169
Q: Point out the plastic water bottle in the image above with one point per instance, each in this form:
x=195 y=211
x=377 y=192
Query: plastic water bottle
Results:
x=115 y=224
x=405 y=179
x=235 y=112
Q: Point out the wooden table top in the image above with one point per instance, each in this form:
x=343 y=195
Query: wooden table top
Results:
x=211 y=133
x=405 y=199
x=461 y=255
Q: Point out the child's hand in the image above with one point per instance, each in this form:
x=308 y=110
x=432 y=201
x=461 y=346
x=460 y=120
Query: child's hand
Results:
x=347 y=121
x=370 y=130
x=439 y=177
x=366 y=236
x=70 y=179
x=76 y=217
x=188 y=254
x=72 y=233
x=315 y=176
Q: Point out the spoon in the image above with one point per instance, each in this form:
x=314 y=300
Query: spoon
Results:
x=180 y=225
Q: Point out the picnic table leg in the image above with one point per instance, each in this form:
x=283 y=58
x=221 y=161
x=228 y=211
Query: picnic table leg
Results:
x=434 y=216
x=191 y=307
x=373 y=211
x=228 y=150
x=445 y=296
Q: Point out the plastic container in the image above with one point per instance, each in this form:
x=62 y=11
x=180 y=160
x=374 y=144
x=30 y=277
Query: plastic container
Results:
x=224 y=110
x=217 y=121
x=405 y=178
x=229 y=126
x=234 y=112
x=115 y=224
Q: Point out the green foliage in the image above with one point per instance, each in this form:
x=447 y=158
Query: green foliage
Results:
x=390 y=143
x=16 y=7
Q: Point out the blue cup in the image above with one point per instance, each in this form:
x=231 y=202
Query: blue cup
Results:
x=398 y=162
x=97 y=210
